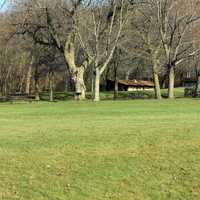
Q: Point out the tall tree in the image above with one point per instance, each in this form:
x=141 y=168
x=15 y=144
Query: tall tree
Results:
x=47 y=27
x=146 y=41
x=174 y=23
x=104 y=28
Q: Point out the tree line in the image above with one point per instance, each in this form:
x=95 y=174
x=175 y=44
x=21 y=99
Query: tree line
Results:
x=83 y=42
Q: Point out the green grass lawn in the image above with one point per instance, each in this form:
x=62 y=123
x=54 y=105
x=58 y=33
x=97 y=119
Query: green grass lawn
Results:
x=119 y=150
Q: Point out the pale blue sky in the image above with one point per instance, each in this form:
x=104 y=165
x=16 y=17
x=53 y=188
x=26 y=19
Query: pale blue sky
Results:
x=3 y=5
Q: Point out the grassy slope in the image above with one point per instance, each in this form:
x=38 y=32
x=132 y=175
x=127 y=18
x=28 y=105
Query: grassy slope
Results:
x=127 y=150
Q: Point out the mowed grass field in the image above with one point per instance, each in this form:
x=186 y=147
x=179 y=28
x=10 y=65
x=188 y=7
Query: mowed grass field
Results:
x=112 y=150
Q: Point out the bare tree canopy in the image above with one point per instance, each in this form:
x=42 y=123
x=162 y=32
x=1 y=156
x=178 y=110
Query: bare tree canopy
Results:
x=159 y=41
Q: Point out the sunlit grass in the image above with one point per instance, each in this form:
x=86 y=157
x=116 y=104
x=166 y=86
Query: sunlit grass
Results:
x=120 y=150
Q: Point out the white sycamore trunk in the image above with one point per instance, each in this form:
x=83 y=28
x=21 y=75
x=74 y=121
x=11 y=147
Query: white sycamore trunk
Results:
x=171 y=82
x=97 y=85
x=80 y=88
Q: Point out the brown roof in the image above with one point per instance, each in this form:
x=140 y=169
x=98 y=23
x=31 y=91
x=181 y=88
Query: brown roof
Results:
x=135 y=82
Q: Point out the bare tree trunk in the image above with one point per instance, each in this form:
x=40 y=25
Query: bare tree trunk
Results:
x=116 y=83
x=37 y=95
x=5 y=89
x=69 y=81
x=110 y=46
x=92 y=83
x=127 y=74
x=51 y=86
x=156 y=81
x=21 y=84
x=28 y=78
x=116 y=89
x=76 y=72
x=163 y=81
x=171 y=83
x=21 y=74
x=46 y=83
x=80 y=88
x=97 y=85
x=1 y=88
